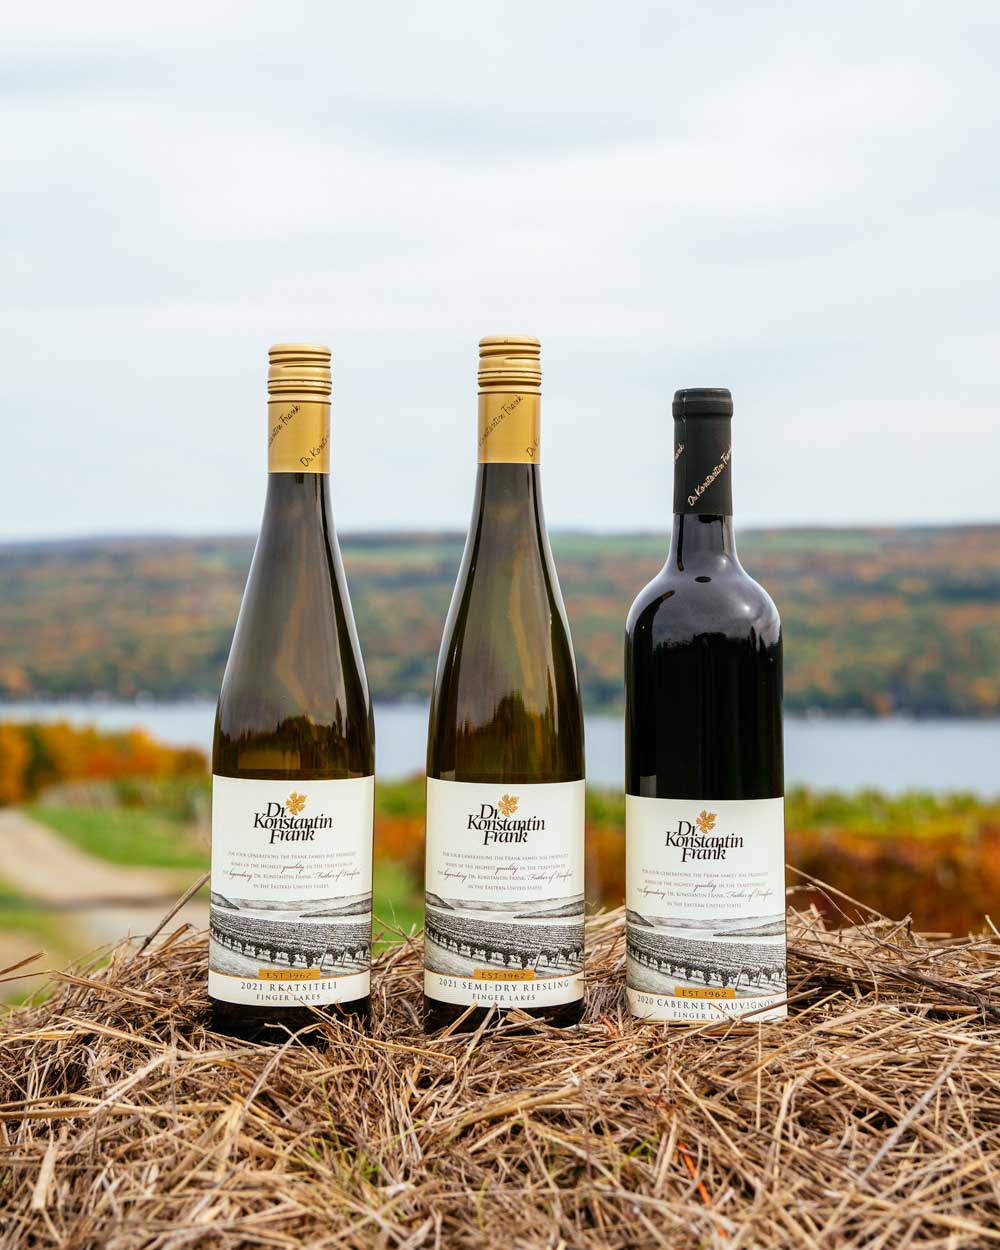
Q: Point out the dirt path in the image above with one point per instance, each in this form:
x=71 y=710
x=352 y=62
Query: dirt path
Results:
x=92 y=902
x=42 y=865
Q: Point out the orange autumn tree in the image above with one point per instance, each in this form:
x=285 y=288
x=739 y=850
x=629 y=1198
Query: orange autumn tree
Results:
x=15 y=755
x=34 y=756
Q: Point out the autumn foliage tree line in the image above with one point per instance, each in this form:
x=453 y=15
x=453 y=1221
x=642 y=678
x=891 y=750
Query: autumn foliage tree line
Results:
x=935 y=858
x=876 y=620
x=35 y=757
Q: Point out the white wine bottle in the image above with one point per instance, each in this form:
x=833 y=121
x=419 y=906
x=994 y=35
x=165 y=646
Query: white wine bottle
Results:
x=505 y=767
x=704 y=813
x=293 y=760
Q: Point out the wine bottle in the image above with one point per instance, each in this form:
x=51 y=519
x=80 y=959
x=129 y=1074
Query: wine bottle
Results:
x=704 y=812
x=293 y=758
x=505 y=769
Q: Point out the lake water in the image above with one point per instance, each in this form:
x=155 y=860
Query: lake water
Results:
x=892 y=755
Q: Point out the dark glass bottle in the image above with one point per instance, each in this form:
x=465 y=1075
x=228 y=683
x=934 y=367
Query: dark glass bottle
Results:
x=505 y=764
x=293 y=757
x=704 y=762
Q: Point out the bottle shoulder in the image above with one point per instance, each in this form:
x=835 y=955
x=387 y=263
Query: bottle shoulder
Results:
x=506 y=644
x=721 y=599
x=295 y=688
x=505 y=700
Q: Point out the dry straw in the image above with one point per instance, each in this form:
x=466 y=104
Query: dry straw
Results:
x=871 y=1118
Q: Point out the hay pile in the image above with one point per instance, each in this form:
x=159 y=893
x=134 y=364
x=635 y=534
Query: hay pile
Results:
x=871 y=1118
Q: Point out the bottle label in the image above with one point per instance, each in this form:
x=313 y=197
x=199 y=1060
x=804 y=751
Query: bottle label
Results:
x=705 y=899
x=298 y=436
x=509 y=428
x=290 y=918
x=504 y=911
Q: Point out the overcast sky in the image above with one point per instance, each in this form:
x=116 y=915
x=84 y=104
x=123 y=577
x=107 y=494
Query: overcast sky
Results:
x=797 y=202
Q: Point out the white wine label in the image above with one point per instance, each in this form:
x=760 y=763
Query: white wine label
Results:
x=705 y=899
x=290 y=919
x=503 y=923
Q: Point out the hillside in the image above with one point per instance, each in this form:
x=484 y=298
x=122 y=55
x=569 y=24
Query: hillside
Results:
x=876 y=621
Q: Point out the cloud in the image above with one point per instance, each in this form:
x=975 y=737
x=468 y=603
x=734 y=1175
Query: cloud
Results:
x=798 y=205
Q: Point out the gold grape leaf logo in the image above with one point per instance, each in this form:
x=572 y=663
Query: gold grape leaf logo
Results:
x=508 y=805
x=295 y=803
x=706 y=822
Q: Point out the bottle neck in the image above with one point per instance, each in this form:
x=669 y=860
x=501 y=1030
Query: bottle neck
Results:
x=703 y=475
x=508 y=494
x=508 y=505
x=700 y=540
x=298 y=435
x=507 y=529
x=297 y=504
x=509 y=428
x=703 y=493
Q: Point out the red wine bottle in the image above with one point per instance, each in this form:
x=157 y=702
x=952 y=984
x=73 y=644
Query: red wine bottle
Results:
x=705 y=890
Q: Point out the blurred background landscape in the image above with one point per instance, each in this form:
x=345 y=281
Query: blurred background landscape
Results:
x=114 y=649
x=797 y=203
x=878 y=621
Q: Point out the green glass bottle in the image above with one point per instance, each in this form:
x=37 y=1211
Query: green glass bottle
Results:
x=505 y=763
x=293 y=760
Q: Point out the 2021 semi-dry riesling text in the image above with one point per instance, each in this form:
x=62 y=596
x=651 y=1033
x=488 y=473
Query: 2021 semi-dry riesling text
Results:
x=293 y=759
x=505 y=770
x=704 y=814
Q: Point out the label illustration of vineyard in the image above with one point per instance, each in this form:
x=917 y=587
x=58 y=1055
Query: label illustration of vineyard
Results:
x=665 y=952
x=333 y=935
x=528 y=941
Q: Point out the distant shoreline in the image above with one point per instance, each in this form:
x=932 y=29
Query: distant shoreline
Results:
x=894 y=755
x=99 y=699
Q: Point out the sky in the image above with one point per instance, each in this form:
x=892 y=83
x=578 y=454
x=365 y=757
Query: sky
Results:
x=798 y=203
